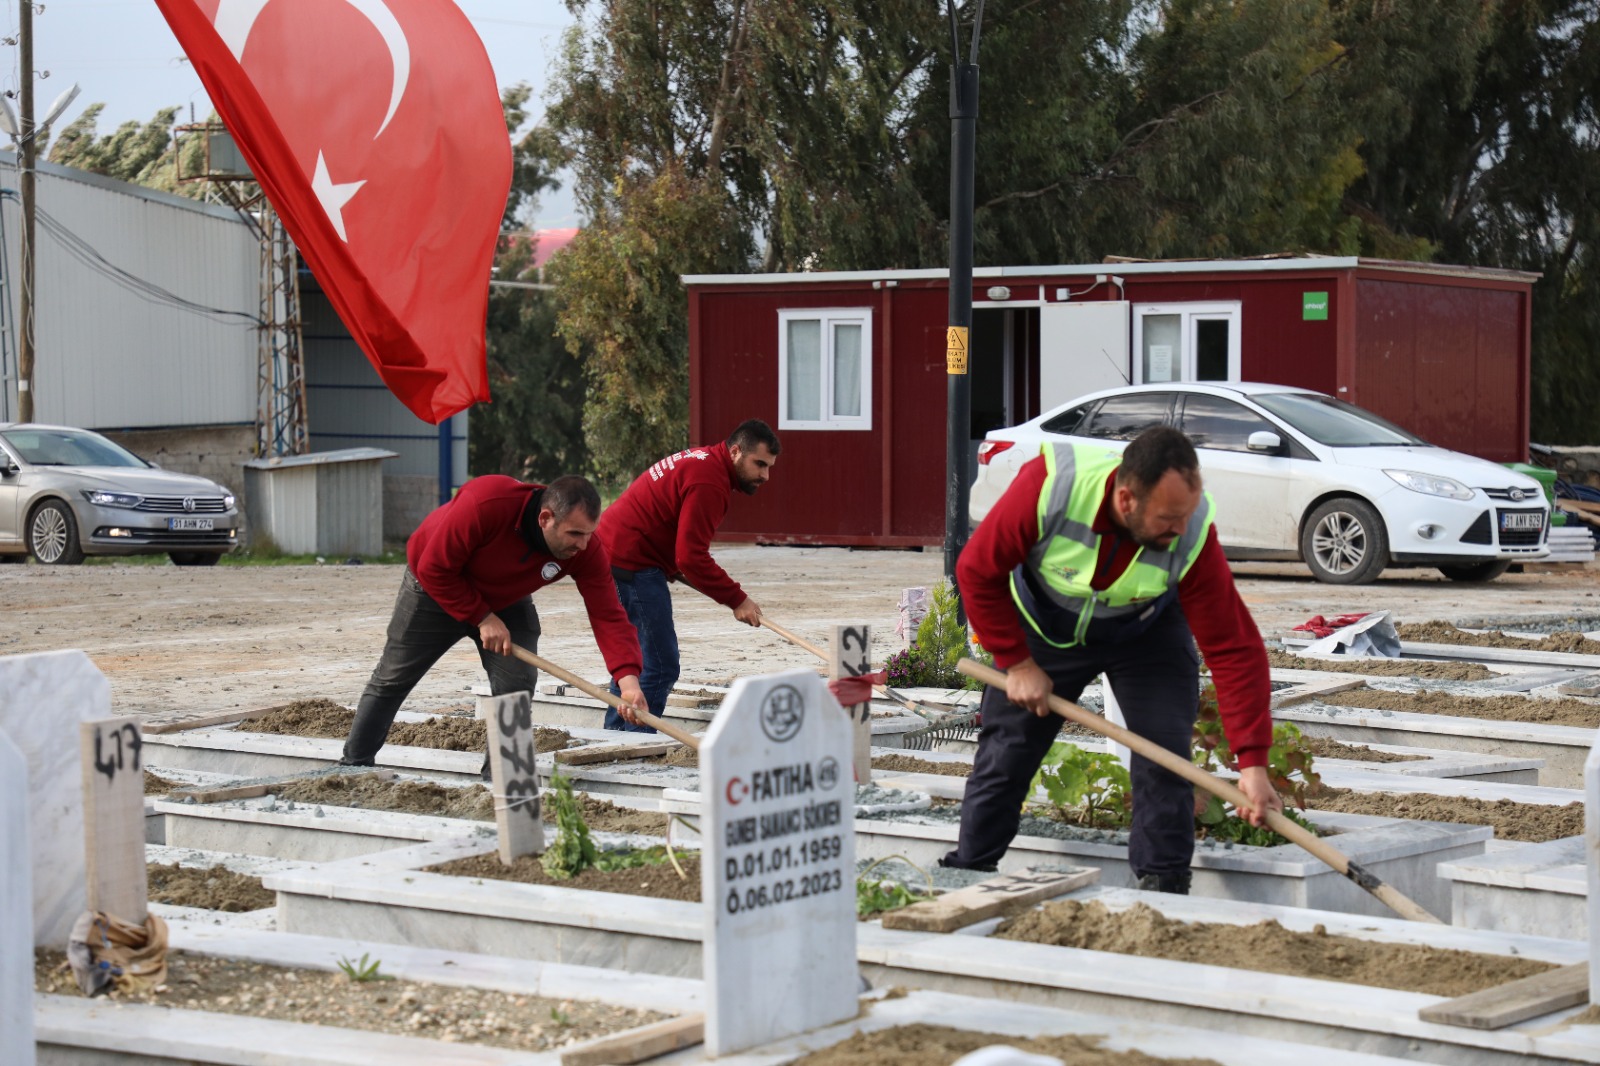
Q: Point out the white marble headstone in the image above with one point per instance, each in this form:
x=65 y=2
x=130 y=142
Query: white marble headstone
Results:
x=778 y=866
x=43 y=697
x=16 y=911
x=1591 y=840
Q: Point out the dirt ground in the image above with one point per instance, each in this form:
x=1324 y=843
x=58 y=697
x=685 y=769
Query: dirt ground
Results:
x=1445 y=633
x=1328 y=748
x=380 y=1004
x=1495 y=708
x=181 y=642
x=659 y=882
x=1267 y=947
x=324 y=718
x=938 y=1045
x=1530 y=823
x=1428 y=668
x=215 y=888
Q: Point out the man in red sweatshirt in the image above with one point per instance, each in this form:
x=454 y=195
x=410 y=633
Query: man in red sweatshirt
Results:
x=1096 y=563
x=660 y=530
x=473 y=566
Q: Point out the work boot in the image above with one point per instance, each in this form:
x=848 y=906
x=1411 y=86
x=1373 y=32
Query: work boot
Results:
x=1174 y=884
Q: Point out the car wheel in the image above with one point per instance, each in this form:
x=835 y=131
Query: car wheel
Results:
x=1486 y=571
x=1344 y=543
x=53 y=535
x=194 y=558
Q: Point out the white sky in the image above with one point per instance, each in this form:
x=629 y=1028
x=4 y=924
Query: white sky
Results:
x=124 y=56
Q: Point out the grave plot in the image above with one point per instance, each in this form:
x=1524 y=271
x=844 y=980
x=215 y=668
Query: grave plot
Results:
x=1124 y=974
x=232 y=990
x=1541 y=889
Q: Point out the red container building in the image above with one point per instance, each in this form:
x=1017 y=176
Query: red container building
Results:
x=850 y=367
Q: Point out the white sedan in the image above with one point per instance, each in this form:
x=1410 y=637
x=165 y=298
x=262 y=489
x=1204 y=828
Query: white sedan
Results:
x=1300 y=475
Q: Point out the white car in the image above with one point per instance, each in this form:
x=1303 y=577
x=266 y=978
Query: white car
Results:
x=1301 y=475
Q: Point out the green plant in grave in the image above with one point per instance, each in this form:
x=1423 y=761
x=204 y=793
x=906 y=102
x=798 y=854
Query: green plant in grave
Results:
x=1290 y=764
x=1093 y=782
x=573 y=851
x=876 y=897
x=940 y=642
x=361 y=971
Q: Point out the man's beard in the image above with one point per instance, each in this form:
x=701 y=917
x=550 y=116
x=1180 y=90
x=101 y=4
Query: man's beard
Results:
x=748 y=486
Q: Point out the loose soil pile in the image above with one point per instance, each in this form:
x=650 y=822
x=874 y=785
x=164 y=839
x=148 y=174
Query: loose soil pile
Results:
x=1445 y=633
x=216 y=888
x=1530 y=823
x=1267 y=947
x=1426 y=668
x=401 y=1008
x=683 y=755
x=329 y=720
x=910 y=764
x=938 y=1045
x=658 y=882
x=1497 y=708
x=370 y=792
x=1328 y=748
x=156 y=785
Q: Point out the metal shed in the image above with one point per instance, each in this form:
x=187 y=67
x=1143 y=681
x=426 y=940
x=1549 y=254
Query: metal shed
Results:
x=325 y=503
x=849 y=367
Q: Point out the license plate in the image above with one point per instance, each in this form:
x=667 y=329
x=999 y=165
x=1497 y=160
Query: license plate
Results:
x=191 y=523
x=1521 y=520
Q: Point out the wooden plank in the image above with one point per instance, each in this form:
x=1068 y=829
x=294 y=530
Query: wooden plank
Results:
x=1508 y=1004
x=614 y=752
x=638 y=1045
x=515 y=787
x=851 y=656
x=203 y=722
x=997 y=897
x=1302 y=693
x=113 y=817
x=683 y=700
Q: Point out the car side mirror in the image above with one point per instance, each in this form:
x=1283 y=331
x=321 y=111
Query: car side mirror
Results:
x=1265 y=441
x=7 y=468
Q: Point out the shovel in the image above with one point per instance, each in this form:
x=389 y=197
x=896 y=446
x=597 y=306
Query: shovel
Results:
x=894 y=694
x=681 y=735
x=1394 y=899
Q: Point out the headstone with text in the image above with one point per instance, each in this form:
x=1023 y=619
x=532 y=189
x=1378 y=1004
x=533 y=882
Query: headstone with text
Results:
x=113 y=817
x=513 y=748
x=778 y=863
x=43 y=697
x=16 y=910
x=851 y=656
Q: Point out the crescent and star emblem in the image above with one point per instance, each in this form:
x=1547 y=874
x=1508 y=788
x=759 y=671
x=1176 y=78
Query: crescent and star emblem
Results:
x=234 y=21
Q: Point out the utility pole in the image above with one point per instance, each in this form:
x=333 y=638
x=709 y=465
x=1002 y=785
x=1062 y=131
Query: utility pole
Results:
x=963 y=167
x=26 y=154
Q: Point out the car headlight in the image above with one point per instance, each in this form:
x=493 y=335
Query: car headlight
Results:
x=1431 y=484
x=101 y=498
x=227 y=502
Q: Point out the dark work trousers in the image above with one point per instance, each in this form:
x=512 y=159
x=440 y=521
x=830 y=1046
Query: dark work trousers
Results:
x=647 y=597
x=420 y=632
x=1155 y=676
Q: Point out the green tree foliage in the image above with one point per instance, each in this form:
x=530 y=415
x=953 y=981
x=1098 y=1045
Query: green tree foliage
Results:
x=141 y=153
x=534 y=425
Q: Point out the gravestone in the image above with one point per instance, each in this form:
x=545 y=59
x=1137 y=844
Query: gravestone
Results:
x=113 y=818
x=43 y=697
x=512 y=750
x=1591 y=840
x=1113 y=714
x=851 y=656
x=778 y=863
x=16 y=911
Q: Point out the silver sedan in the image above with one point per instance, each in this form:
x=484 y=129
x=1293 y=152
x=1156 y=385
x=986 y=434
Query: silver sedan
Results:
x=66 y=493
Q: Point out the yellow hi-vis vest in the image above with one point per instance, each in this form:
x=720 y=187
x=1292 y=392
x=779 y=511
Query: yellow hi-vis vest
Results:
x=1052 y=589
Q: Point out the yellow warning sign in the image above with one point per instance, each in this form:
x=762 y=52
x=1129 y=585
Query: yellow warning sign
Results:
x=955 y=350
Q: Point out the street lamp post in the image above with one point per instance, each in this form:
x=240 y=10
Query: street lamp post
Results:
x=963 y=166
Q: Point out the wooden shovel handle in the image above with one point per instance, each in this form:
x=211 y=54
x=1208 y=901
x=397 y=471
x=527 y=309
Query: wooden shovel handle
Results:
x=899 y=697
x=1397 y=901
x=645 y=717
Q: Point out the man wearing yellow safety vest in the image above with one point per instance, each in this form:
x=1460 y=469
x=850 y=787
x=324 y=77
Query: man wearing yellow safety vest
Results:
x=1090 y=563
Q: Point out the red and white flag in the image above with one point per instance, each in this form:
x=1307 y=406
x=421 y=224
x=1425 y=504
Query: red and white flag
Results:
x=375 y=128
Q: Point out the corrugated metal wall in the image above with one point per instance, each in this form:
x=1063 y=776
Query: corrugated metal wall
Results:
x=111 y=358
x=350 y=508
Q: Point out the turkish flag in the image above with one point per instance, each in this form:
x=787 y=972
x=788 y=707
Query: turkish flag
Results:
x=375 y=128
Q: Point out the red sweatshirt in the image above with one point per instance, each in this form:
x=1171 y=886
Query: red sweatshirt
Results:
x=667 y=517
x=1221 y=623
x=471 y=557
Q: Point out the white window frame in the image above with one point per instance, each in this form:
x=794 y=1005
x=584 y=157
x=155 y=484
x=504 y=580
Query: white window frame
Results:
x=829 y=317
x=1190 y=314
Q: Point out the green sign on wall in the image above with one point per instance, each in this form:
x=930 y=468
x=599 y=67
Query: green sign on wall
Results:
x=1314 y=306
